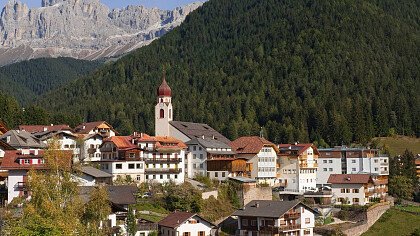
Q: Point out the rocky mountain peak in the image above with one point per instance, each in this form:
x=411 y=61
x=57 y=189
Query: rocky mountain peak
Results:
x=84 y=29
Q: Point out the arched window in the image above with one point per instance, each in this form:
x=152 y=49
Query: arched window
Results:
x=170 y=113
x=162 y=113
x=161 y=100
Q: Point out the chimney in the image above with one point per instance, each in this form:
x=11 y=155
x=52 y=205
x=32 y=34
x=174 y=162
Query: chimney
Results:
x=45 y=129
x=84 y=127
x=203 y=136
x=213 y=136
x=257 y=204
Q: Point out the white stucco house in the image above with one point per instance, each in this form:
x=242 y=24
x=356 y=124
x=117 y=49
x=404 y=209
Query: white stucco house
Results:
x=185 y=224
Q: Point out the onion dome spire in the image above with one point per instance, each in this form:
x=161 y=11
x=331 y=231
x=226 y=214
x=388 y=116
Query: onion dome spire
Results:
x=164 y=89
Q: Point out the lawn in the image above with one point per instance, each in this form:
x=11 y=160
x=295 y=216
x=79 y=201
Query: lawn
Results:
x=398 y=144
x=415 y=209
x=394 y=222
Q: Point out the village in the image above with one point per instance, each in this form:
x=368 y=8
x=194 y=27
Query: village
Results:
x=282 y=189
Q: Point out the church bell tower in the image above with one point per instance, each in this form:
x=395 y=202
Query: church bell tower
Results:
x=163 y=109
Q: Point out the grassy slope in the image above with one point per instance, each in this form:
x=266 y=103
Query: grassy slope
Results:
x=394 y=222
x=398 y=144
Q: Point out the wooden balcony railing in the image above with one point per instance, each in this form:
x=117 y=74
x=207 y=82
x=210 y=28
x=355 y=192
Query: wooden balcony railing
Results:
x=162 y=160
x=292 y=215
x=21 y=185
x=163 y=171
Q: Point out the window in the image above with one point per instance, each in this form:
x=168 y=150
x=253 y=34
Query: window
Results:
x=147 y=177
x=132 y=155
x=138 y=178
x=66 y=146
x=353 y=161
x=376 y=160
x=324 y=161
x=154 y=176
x=307 y=232
x=253 y=223
x=325 y=169
x=168 y=176
x=343 y=190
x=307 y=220
x=170 y=113
x=161 y=176
x=223 y=174
x=195 y=148
x=130 y=166
x=201 y=233
x=376 y=168
x=355 y=200
x=186 y=234
x=347 y=190
x=176 y=176
x=244 y=222
x=330 y=161
x=331 y=169
x=162 y=113
x=194 y=156
x=201 y=156
x=216 y=174
x=27 y=161
x=353 y=169
x=118 y=166
x=200 y=148
x=355 y=190
x=201 y=166
x=139 y=166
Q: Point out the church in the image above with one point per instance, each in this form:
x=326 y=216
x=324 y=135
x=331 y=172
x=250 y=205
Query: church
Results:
x=184 y=131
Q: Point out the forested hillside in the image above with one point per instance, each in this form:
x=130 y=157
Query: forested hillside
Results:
x=333 y=70
x=29 y=79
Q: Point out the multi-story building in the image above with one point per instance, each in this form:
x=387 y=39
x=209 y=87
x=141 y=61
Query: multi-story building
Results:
x=164 y=158
x=213 y=158
x=122 y=158
x=356 y=189
x=261 y=156
x=22 y=140
x=264 y=217
x=66 y=140
x=343 y=160
x=18 y=163
x=298 y=167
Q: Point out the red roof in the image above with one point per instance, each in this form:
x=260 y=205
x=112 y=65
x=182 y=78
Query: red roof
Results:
x=9 y=160
x=349 y=179
x=163 y=142
x=3 y=128
x=251 y=145
x=122 y=142
x=42 y=128
x=164 y=89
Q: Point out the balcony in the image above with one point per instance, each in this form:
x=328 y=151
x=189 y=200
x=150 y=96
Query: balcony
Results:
x=289 y=227
x=292 y=215
x=147 y=227
x=163 y=171
x=384 y=164
x=21 y=185
x=384 y=172
x=162 y=160
x=305 y=165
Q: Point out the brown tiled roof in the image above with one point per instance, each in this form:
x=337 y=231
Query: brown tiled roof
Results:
x=90 y=126
x=198 y=130
x=269 y=208
x=10 y=158
x=119 y=195
x=251 y=145
x=163 y=142
x=349 y=179
x=42 y=128
x=177 y=218
x=3 y=128
x=122 y=142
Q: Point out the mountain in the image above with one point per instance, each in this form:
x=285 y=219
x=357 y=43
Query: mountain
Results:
x=29 y=79
x=330 y=71
x=83 y=29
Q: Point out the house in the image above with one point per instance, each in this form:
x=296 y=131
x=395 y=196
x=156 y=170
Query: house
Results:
x=22 y=140
x=344 y=160
x=120 y=198
x=90 y=176
x=97 y=127
x=18 y=163
x=417 y=162
x=43 y=128
x=264 y=217
x=4 y=147
x=298 y=166
x=122 y=159
x=184 y=131
x=185 y=224
x=211 y=157
x=65 y=138
x=261 y=156
x=357 y=189
x=163 y=156
x=89 y=148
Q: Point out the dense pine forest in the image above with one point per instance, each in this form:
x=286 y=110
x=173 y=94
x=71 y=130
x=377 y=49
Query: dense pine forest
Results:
x=335 y=71
x=29 y=79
